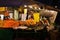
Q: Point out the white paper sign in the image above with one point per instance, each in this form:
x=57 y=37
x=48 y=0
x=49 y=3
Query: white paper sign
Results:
x=23 y=17
x=2 y=17
x=25 y=11
x=11 y=15
x=15 y=14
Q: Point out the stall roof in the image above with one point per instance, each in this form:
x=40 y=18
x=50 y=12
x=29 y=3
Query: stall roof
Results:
x=14 y=3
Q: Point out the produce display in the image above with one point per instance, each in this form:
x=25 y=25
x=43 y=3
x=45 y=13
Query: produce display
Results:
x=28 y=19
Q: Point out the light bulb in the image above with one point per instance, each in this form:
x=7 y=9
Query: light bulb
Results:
x=25 y=5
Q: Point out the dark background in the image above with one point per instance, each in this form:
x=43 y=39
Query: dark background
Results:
x=50 y=2
x=18 y=2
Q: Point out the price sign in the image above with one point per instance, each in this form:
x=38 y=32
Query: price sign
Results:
x=36 y=17
x=2 y=8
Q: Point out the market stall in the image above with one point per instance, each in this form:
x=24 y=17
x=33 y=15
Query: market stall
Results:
x=27 y=18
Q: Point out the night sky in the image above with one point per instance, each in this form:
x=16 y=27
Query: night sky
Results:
x=50 y=2
x=18 y=2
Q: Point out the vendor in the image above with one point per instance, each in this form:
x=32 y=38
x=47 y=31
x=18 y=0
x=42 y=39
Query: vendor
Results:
x=51 y=15
x=30 y=14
